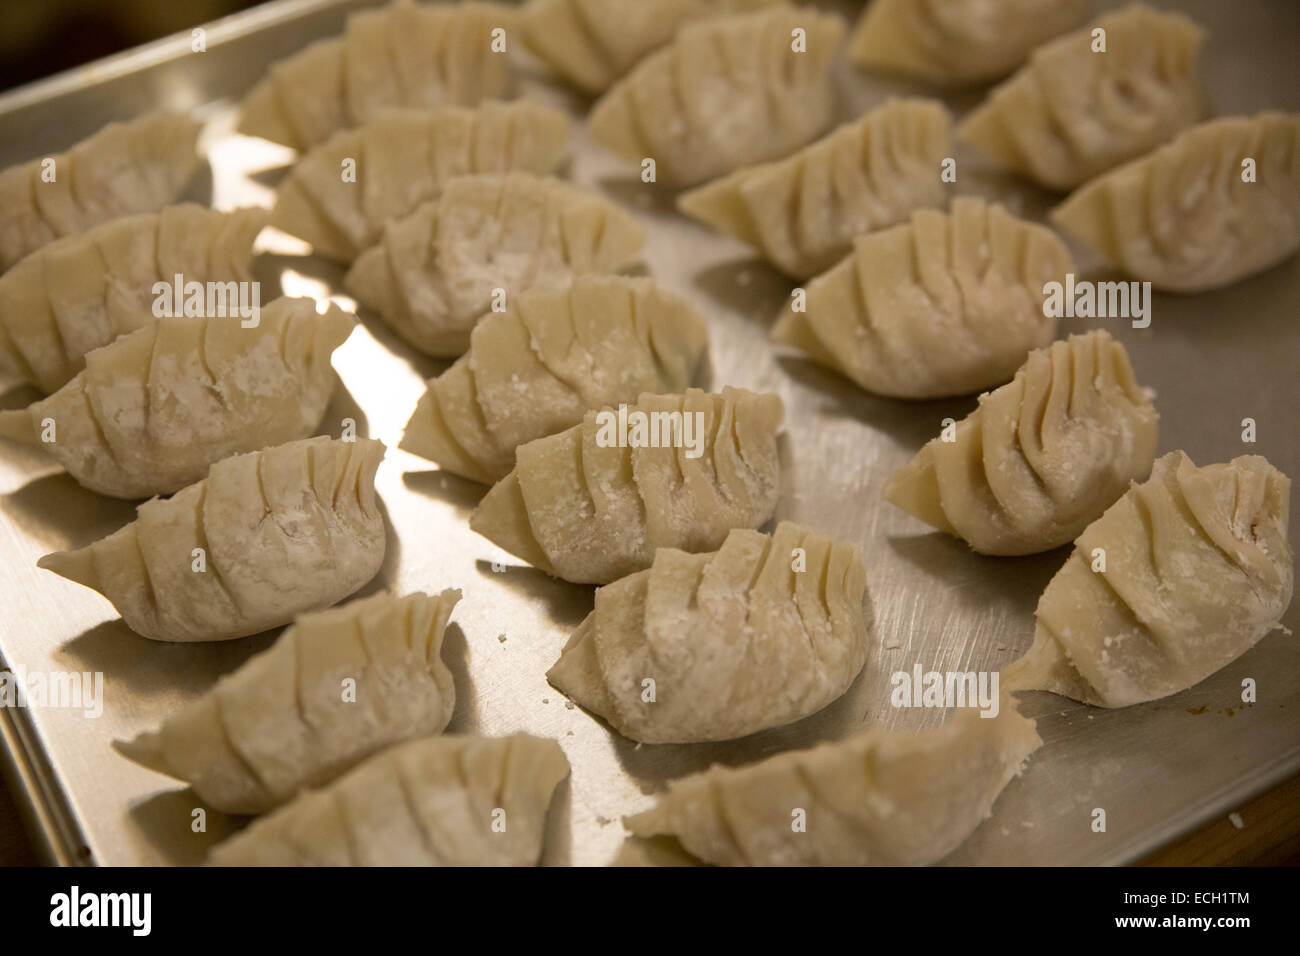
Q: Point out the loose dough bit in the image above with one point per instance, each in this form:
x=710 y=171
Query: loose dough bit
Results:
x=764 y=632
x=281 y=723
x=1197 y=568
x=289 y=529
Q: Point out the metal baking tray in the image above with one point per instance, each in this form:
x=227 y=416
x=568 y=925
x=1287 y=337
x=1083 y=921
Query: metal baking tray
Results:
x=1158 y=769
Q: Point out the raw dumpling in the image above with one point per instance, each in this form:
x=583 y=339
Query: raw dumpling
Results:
x=124 y=169
x=1184 y=219
x=1041 y=457
x=440 y=801
x=875 y=799
x=82 y=292
x=402 y=158
x=591 y=43
x=947 y=304
x=1178 y=578
x=803 y=212
x=403 y=54
x=264 y=537
x=958 y=42
x=1070 y=113
x=436 y=271
x=764 y=632
x=587 y=506
x=536 y=368
x=727 y=92
x=286 y=720
x=153 y=410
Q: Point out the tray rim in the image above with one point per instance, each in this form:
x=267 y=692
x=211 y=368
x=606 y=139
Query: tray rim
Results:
x=160 y=51
x=43 y=804
x=46 y=809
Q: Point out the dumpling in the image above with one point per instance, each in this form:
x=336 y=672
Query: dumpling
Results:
x=1184 y=218
x=594 y=502
x=123 y=169
x=761 y=633
x=727 y=92
x=440 y=801
x=1178 y=578
x=265 y=537
x=875 y=799
x=153 y=410
x=402 y=157
x=536 y=368
x=434 y=274
x=958 y=42
x=803 y=212
x=287 y=721
x=403 y=54
x=1041 y=457
x=82 y=292
x=1070 y=114
x=591 y=43
x=947 y=304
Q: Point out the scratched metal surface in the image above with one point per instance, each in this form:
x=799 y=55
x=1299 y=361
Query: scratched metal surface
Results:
x=1157 y=769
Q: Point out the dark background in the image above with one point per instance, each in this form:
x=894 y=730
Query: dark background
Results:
x=42 y=37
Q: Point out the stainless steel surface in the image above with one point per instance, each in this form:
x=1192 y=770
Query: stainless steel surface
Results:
x=1157 y=769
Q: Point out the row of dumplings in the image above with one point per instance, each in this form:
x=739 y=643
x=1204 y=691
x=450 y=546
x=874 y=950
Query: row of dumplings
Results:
x=430 y=249
x=515 y=411
x=726 y=92
x=1162 y=198
x=1000 y=486
x=419 y=237
x=738 y=628
x=767 y=642
x=145 y=406
x=738 y=641
x=707 y=88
